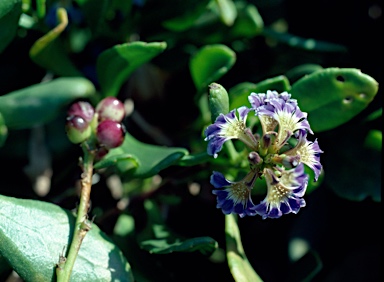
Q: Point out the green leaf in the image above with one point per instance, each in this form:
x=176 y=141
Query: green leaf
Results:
x=205 y=245
x=41 y=103
x=210 y=63
x=333 y=96
x=238 y=263
x=248 y=23
x=111 y=160
x=227 y=11
x=10 y=11
x=34 y=233
x=298 y=72
x=3 y=130
x=238 y=95
x=151 y=159
x=195 y=159
x=116 y=64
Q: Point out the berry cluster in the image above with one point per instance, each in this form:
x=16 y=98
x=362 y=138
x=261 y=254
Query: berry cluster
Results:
x=104 y=123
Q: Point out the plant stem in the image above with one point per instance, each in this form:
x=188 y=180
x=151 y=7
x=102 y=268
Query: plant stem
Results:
x=82 y=225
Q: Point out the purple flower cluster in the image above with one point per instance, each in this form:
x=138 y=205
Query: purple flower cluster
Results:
x=278 y=156
x=104 y=122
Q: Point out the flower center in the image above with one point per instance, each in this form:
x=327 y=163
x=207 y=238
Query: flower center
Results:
x=240 y=191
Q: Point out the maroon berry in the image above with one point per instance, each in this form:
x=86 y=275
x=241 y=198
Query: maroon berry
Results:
x=110 y=108
x=110 y=134
x=82 y=109
x=78 y=130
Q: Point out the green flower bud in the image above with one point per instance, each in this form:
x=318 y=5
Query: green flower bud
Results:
x=218 y=100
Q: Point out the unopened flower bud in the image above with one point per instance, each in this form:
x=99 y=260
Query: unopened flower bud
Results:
x=82 y=109
x=110 y=108
x=218 y=100
x=254 y=158
x=78 y=130
x=110 y=134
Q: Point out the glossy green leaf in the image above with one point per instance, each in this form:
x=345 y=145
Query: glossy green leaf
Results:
x=333 y=96
x=151 y=159
x=241 y=269
x=158 y=239
x=3 y=130
x=248 y=23
x=238 y=95
x=116 y=64
x=34 y=233
x=10 y=11
x=227 y=11
x=210 y=63
x=41 y=103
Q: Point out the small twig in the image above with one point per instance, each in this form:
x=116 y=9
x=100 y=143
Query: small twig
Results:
x=82 y=225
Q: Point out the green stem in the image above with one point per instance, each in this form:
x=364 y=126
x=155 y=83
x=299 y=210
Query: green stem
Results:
x=64 y=269
x=231 y=151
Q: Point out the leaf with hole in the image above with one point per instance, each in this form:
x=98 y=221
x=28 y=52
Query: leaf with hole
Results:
x=34 y=233
x=333 y=96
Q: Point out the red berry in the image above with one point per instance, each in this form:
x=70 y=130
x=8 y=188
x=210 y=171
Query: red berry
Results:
x=82 y=109
x=78 y=130
x=110 y=134
x=110 y=108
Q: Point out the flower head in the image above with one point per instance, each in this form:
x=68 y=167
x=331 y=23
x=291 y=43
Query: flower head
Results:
x=278 y=156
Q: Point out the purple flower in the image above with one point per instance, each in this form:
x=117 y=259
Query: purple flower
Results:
x=284 y=193
x=234 y=197
x=282 y=111
x=226 y=127
x=309 y=153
